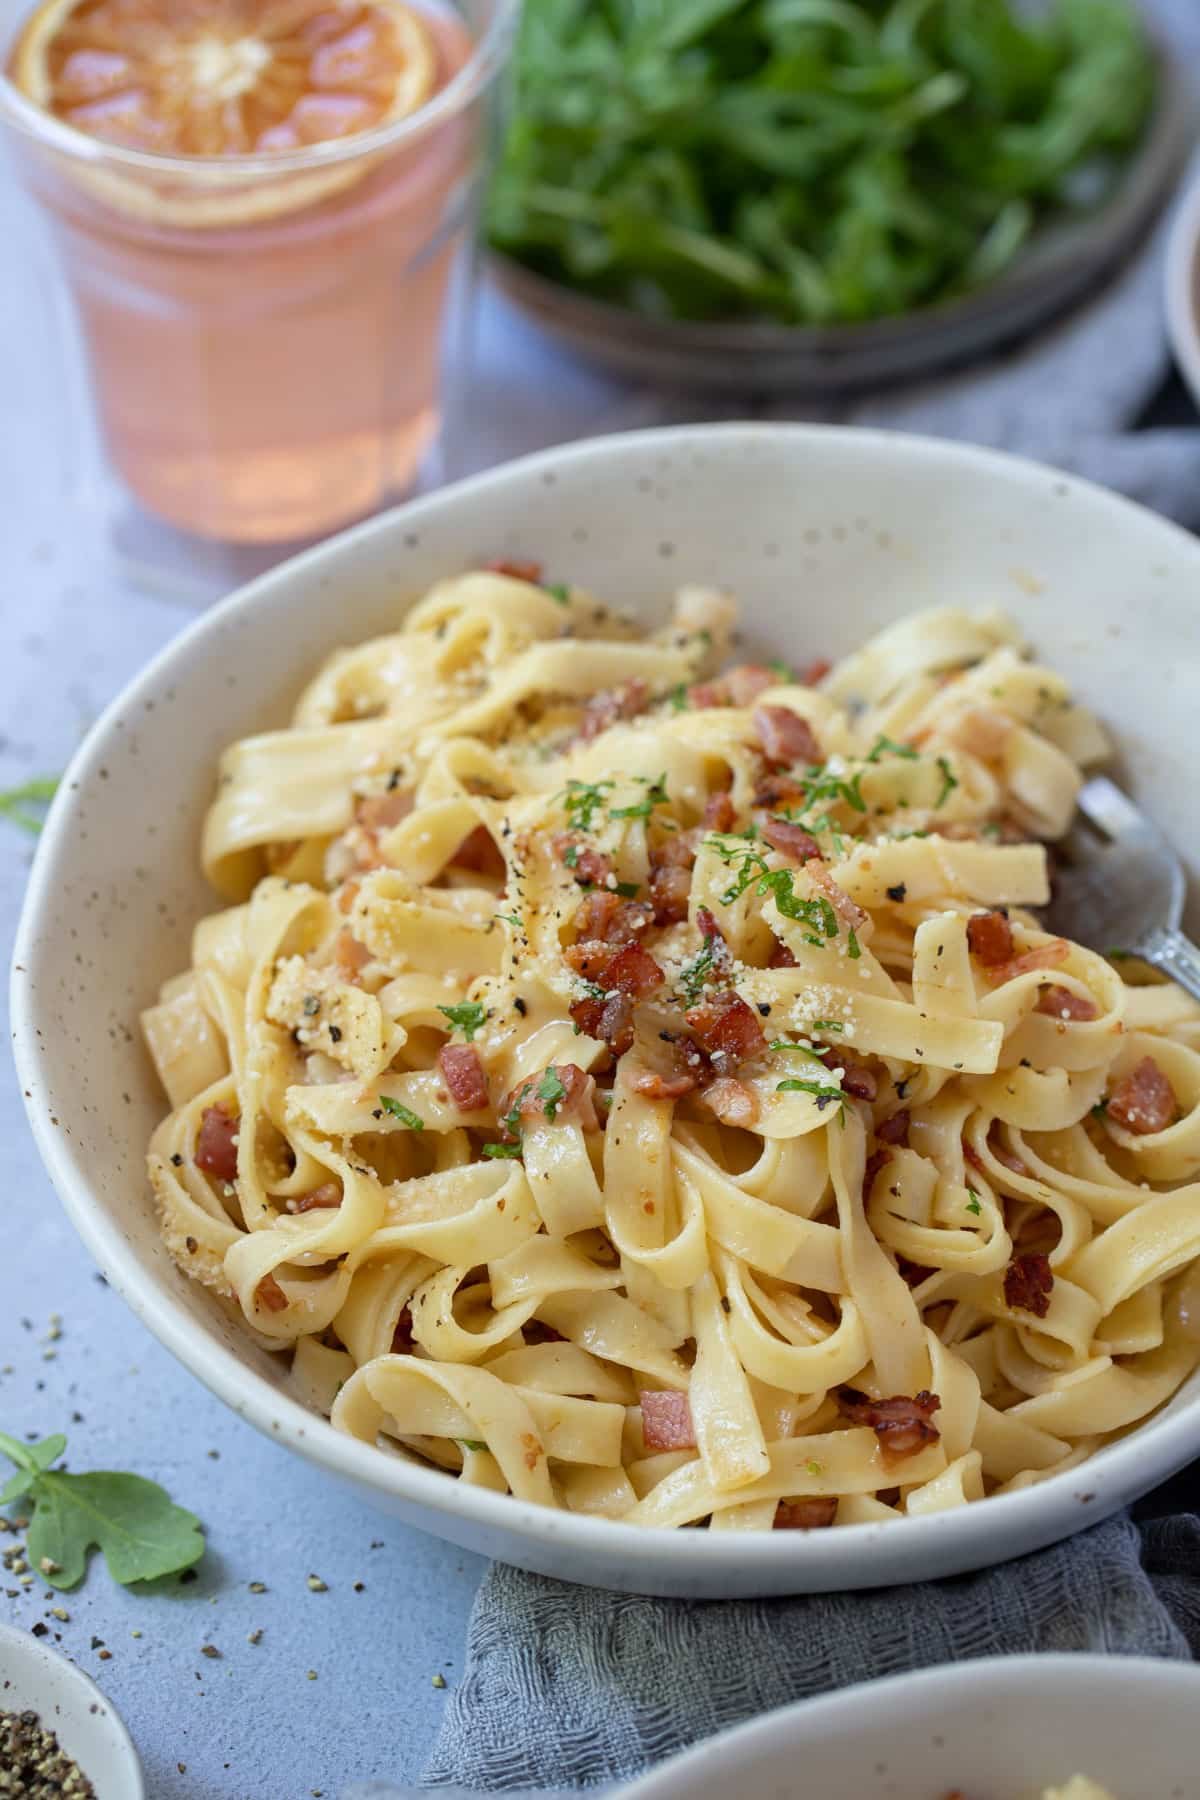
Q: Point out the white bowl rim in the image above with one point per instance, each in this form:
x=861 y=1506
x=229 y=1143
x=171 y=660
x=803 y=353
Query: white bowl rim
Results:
x=880 y=1554
x=899 y=1694
x=1180 y=286
x=36 y=1659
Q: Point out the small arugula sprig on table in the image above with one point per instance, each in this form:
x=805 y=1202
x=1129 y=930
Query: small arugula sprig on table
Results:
x=141 y=1531
x=15 y=802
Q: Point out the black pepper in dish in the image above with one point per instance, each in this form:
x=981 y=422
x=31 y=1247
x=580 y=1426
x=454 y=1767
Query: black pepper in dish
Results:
x=32 y=1767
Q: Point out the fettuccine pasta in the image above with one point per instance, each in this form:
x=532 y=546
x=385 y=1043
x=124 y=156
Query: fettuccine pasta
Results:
x=649 y=1091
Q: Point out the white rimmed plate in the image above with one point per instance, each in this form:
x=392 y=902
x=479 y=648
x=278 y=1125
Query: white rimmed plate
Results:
x=34 y=1678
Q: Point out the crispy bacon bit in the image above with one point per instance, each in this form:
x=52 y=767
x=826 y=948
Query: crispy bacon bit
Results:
x=720 y=814
x=1063 y=1003
x=402 y=1337
x=877 y=1160
x=516 y=569
x=1142 y=1101
x=216 y=1144
x=990 y=937
x=269 y=1294
x=606 y=708
x=666 y=1420
x=848 y=911
x=1028 y=1281
x=785 y=737
x=727 y=1029
x=618 y=968
x=577 y=1103
x=902 y=1424
x=714 y=939
x=603 y=917
x=747 y=681
x=379 y=812
x=328 y=1194
x=777 y=790
x=732 y=1101
x=782 y=958
x=478 y=851
x=350 y=956
x=663 y=1087
x=610 y=1020
x=790 y=840
x=814 y=671
x=857 y=1080
x=463 y=1074
x=895 y=1129
x=670 y=891
x=812 y=1514
x=1044 y=956
x=587 y=864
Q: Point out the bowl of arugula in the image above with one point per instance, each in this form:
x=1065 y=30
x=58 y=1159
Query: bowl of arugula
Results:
x=823 y=194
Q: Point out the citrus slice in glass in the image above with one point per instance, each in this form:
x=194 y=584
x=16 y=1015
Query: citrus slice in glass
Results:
x=215 y=79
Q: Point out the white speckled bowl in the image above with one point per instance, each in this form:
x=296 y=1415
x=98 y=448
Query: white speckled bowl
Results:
x=1001 y=1728
x=825 y=535
x=34 y=1678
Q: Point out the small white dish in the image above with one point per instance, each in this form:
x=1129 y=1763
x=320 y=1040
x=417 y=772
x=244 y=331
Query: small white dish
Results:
x=825 y=535
x=34 y=1678
x=1001 y=1728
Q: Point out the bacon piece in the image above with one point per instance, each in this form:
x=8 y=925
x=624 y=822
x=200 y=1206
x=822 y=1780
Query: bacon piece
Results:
x=714 y=938
x=618 y=968
x=1028 y=1281
x=666 y=1420
x=216 y=1144
x=747 y=681
x=972 y=1156
x=1063 y=1003
x=720 y=814
x=379 y=812
x=895 y=1129
x=320 y=1198
x=790 y=840
x=811 y=1514
x=606 y=708
x=463 y=1074
x=990 y=937
x=878 y=1159
x=903 y=1424
x=663 y=1087
x=848 y=911
x=785 y=737
x=670 y=892
x=814 y=671
x=270 y=1295
x=603 y=917
x=782 y=958
x=727 y=1029
x=609 y=1019
x=578 y=1101
x=857 y=1080
x=1142 y=1101
x=777 y=790
x=350 y=956
x=1044 y=956
x=516 y=569
x=478 y=851
x=732 y=1102
x=587 y=864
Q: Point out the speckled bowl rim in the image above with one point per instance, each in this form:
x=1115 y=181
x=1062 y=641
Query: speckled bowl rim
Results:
x=1182 y=282
x=602 y=1552
x=923 y=1697
x=79 y=1698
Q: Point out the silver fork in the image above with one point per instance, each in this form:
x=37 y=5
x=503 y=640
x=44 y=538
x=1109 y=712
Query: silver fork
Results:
x=1119 y=885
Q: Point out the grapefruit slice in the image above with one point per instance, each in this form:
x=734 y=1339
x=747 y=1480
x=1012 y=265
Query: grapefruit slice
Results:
x=220 y=78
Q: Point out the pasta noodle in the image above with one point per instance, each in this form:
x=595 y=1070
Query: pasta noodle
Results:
x=650 y=1091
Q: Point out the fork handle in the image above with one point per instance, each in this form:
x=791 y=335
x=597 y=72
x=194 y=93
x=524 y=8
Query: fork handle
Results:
x=1175 y=955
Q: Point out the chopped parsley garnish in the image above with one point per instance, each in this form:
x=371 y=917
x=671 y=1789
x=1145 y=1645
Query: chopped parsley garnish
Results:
x=853 y=948
x=828 y=1025
x=513 y=919
x=949 y=782
x=133 y=1521
x=822 y=1092
x=656 y=795
x=628 y=890
x=399 y=1111
x=583 y=801
x=820 y=785
x=780 y=668
x=751 y=869
x=472 y=1444
x=571 y=856
x=467 y=1018
x=813 y=1466
x=15 y=802
x=886 y=746
x=551 y=1092
x=696 y=971
x=973 y=1205
x=990 y=830
x=495 y=1151
x=1100 y=1110
x=678 y=697
x=557 y=590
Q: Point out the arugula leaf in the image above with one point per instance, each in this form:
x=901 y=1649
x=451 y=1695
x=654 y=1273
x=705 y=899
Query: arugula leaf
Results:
x=399 y=1111
x=141 y=1532
x=15 y=802
x=550 y=1091
x=468 y=1017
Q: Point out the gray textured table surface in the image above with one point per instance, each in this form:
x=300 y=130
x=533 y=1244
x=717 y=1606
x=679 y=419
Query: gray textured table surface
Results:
x=251 y=1725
